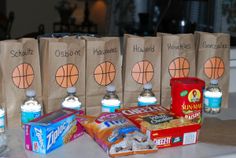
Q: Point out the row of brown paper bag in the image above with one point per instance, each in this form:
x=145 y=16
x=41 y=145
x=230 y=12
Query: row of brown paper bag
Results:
x=67 y=67
x=91 y=63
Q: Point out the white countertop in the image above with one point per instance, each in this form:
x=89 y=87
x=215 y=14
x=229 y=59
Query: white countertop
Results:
x=85 y=147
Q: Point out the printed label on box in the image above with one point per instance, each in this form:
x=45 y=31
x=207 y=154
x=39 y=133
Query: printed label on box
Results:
x=158 y=119
x=166 y=141
x=176 y=140
x=190 y=138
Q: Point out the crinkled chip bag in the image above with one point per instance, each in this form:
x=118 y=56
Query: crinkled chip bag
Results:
x=117 y=135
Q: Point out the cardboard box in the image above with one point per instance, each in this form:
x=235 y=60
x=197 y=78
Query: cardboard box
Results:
x=52 y=130
x=154 y=121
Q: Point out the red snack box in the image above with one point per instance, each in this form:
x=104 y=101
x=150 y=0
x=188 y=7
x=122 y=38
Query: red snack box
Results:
x=162 y=126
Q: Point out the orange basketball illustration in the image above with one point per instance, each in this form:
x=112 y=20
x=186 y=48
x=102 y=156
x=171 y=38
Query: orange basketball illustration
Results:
x=104 y=73
x=23 y=76
x=142 y=72
x=214 y=68
x=67 y=75
x=179 y=67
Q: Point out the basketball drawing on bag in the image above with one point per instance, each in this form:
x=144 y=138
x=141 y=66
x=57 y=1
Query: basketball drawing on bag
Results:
x=67 y=75
x=142 y=72
x=104 y=73
x=214 y=68
x=23 y=76
x=179 y=67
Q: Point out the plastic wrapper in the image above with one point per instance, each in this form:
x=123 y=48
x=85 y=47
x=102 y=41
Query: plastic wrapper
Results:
x=117 y=135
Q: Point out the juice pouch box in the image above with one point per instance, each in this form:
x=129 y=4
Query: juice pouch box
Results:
x=163 y=127
x=51 y=131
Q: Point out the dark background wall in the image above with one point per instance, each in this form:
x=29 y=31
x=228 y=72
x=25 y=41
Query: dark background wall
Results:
x=29 y=14
x=3 y=6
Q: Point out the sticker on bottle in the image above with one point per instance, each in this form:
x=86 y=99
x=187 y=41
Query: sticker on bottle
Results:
x=2 y=123
x=29 y=116
x=109 y=108
x=212 y=102
x=146 y=103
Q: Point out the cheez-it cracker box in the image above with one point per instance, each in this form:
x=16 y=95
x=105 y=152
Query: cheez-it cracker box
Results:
x=162 y=126
x=52 y=130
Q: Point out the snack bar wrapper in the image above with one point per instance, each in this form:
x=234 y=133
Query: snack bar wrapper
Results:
x=117 y=135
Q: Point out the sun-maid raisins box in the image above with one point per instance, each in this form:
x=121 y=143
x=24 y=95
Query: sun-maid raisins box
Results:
x=162 y=126
x=51 y=131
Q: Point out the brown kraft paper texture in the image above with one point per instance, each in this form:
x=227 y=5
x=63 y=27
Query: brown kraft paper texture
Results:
x=142 y=64
x=104 y=63
x=213 y=60
x=63 y=66
x=218 y=131
x=20 y=69
x=178 y=60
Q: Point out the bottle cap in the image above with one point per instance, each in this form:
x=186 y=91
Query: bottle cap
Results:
x=71 y=90
x=214 y=81
x=111 y=88
x=147 y=86
x=30 y=93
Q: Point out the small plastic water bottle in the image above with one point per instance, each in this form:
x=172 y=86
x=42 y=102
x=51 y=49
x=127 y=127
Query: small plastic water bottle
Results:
x=3 y=136
x=147 y=97
x=31 y=108
x=212 y=98
x=110 y=101
x=71 y=101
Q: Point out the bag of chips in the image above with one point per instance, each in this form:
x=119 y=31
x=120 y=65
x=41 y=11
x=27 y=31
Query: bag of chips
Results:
x=117 y=135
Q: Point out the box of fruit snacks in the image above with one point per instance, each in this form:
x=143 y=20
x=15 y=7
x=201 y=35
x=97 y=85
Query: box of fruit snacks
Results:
x=52 y=130
x=162 y=126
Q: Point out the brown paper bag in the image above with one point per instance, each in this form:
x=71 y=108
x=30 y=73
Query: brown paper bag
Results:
x=178 y=60
x=142 y=64
x=213 y=60
x=63 y=66
x=104 y=62
x=20 y=70
x=1 y=88
x=216 y=131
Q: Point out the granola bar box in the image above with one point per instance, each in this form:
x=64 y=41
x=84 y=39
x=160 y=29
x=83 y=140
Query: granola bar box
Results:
x=52 y=130
x=163 y=127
